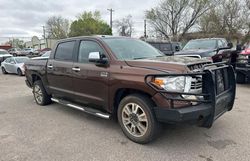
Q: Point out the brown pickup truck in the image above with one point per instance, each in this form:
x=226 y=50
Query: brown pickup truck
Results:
x=132 y=81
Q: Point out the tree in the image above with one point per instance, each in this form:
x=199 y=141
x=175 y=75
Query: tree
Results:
x=89 y=23
x=227 y=18
x=174 y=17
x=16 y=43
x=57 y=27
x=125 y=26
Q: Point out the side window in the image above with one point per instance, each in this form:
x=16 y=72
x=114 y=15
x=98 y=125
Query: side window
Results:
x=165 y=47
x=12 y=61
x=64 y=51
x=220 y=44
x=87 y=47
x=7 y=60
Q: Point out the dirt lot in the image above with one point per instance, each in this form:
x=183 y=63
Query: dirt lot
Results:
x=30 y=132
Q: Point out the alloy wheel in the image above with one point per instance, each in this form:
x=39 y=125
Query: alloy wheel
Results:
x=38 y=94
x=134 y=119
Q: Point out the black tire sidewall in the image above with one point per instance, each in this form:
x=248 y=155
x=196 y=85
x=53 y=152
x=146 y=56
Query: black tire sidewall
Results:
x=3 y=70
x=147 y=107
x=19 y=72
x=45 y=97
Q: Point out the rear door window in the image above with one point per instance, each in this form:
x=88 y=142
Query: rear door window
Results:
x=65 y=51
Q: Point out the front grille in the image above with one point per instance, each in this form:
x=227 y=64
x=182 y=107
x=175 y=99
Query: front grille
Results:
x=195 y=67
x=196 y=83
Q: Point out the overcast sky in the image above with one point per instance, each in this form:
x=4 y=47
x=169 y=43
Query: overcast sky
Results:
x=25 y=18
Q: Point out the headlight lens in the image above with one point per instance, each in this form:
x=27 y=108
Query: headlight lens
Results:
x=242 y=58
x=174 y=83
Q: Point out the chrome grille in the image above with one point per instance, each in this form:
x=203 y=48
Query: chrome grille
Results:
x=195 y=67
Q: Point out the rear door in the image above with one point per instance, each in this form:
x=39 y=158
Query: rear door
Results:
x=59 y=70
x=90 y=82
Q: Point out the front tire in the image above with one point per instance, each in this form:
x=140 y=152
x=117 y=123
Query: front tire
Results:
x=4 y=71
x=136 y=118
x=19 y=72
x=240 y=78
x=40 y=94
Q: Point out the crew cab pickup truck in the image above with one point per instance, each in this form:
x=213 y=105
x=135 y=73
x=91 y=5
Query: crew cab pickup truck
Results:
x=215 y=49
x=132 y=81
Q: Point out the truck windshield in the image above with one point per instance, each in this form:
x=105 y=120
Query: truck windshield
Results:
x=132 y=49
x=200 y=44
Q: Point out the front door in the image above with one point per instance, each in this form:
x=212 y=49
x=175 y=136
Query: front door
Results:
x=90 y=82
x=59 y=70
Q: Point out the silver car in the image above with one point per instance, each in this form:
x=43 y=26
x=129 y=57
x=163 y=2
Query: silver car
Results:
x=14 y=65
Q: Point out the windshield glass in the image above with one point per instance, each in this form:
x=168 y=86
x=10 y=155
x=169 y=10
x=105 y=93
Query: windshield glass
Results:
x=132 y=49
x=200 y=44
x=47 y=54
x=21 y=60
x=2 y=52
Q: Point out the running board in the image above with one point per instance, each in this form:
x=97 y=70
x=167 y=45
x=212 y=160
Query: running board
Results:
x=84 y=109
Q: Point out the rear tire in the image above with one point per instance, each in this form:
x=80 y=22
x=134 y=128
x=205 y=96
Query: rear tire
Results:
x=19 y=72
x=4 y=71
x=136 y=118
x=240 y=78
x=41 y=96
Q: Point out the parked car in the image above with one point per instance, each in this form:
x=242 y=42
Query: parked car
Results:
x=37 y=51
x=14 y=65
x=44 y=51
x=4 y=55
x=27 y=51
x=44 y=56
x=168 y=48
x=215 y=49
x=15 y=51
x=243 y=66
x=131 y=80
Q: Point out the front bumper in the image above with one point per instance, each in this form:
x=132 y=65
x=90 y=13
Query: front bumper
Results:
x=214 y=103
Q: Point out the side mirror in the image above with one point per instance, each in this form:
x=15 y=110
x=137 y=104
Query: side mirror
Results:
x=230 y=45
x=97 y=58
x=177 y=48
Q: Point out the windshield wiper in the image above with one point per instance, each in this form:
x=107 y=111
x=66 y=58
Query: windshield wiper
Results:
x=141 y=58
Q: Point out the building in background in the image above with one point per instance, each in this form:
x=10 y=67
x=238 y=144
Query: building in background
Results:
x=37 y=43
x=5 y=47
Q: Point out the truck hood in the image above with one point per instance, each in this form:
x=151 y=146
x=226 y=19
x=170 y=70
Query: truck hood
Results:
x=167 y=63
x=201 y=52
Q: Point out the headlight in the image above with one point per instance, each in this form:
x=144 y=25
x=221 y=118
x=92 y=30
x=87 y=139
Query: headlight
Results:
x=242 y=58
x=174 y=83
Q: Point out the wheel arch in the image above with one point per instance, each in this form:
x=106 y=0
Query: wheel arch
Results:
x=123 y=92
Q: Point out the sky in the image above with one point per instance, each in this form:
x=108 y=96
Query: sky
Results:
x=25 y=18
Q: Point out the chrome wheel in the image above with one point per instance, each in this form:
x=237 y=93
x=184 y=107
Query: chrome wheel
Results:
x=134 y=119
x=38 y=94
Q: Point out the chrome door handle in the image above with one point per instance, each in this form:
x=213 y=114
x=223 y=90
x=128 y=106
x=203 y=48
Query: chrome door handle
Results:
x=76 y=69
x=50 y=66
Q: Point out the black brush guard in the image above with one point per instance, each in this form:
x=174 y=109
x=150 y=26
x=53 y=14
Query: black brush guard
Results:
x=218 y=94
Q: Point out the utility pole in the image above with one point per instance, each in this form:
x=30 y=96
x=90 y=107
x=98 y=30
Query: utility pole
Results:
x=145 y=29
x=44 y=37
x=111 y=17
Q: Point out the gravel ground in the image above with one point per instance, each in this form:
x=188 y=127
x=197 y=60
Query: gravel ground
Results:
x=54 y=132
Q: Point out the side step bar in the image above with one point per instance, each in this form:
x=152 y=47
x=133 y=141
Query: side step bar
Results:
x=84 y=109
